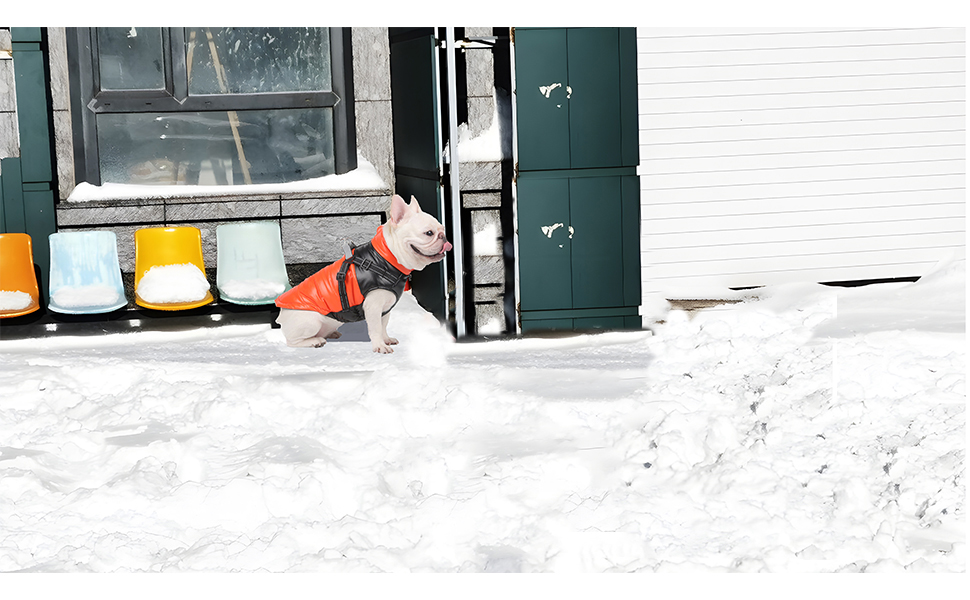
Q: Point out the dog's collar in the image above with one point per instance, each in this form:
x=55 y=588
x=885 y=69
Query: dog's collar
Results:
x=380 y=244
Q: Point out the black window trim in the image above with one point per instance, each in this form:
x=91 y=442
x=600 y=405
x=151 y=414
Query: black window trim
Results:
x=88 y=100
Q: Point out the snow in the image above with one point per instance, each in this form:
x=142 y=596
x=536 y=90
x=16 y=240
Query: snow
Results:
x=252 y=289
x=14 y=300
x=548 y=230
x=485 y=242
x=364 y=177
x=806 y=429
x=71 y=296
x=164 y=284
x=546 y=90
x=492 y=144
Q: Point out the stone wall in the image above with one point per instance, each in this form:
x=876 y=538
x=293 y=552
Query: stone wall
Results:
x=313 y=225
x=61 y=104
x=372 y=99
x=486 y=194
x=9 y=132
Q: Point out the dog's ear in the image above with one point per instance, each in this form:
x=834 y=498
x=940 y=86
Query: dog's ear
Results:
x=399 y=209
x=414 y=206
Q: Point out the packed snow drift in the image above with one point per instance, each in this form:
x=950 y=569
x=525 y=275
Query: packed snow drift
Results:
x=805 y=429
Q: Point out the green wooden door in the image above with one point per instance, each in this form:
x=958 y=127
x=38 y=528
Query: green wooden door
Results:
x=577 y=192
x=417 y=152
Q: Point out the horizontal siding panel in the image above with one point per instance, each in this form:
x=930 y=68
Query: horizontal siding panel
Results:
x=765 y=71
x=651 y=33
x=732 y=224
x=665 y=239
x=834 y=202
x=763 y=147
x=811 y=173
x=784 y=101
x=735 y=118
x=802 y=129
x=805 y=189
x=772 y=147
x=798 y=56
x=790 y=248
x=807 y=85
x=792 y=161
x=725 y=40
x=745 y=272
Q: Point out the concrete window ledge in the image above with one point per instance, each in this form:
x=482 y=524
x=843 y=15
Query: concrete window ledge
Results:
x=165 y=211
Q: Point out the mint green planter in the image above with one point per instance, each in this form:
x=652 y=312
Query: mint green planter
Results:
x=83 y=259
x=250 y=253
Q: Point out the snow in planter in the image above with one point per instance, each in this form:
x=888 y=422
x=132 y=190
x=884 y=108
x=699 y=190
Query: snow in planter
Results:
x=85 y=295
x=173 y=283
x=794 y=431
x=14 y=300
x=252 y=289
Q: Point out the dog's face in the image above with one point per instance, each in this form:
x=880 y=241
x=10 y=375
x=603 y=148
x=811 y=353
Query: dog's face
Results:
x=416 y=238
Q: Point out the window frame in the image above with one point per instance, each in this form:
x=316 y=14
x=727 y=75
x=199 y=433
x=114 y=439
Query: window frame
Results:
x=88 y=99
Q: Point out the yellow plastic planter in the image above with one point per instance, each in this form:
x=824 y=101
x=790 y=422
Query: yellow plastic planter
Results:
x=17 y=271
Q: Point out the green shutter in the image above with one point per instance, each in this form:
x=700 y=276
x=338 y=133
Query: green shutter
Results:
x=597 y=261
x=28 y=196
x=594 y=104
x=542 y=129
x=576 y=115
x=417 y=156
x=546 y=277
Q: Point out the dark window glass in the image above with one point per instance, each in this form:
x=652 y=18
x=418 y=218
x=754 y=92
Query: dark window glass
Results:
x=130 y=58
x=212 y=106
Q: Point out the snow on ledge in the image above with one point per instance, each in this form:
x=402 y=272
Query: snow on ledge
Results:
x=364 y=177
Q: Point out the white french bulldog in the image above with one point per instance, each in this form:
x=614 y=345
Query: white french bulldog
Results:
x=367 y=285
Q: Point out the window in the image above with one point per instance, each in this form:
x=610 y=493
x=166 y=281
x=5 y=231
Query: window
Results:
x=211 y=106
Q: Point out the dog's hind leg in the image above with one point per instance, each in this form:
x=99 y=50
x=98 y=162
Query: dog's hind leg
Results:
x=306 y=329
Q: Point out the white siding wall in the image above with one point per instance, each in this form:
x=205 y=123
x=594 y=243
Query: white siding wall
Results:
x=770 y=156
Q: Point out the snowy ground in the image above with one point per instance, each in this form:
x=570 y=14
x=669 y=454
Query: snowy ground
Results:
x=808 y=429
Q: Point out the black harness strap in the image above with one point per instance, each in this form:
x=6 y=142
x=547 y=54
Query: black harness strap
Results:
x=373 y=272
x=341 y=281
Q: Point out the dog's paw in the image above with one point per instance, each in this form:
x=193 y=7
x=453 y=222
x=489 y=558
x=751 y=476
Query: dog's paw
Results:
x=382 y=348
x=334 y=336
x=308 y=343
x=391 y=341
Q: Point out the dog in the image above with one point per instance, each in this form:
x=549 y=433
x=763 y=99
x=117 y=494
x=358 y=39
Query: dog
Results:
x=367 y=285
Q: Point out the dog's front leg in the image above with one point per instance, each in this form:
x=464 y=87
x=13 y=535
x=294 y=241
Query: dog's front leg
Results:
x=375 y=304
x=387 y=339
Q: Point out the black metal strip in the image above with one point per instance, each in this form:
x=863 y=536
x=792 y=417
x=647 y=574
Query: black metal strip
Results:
x=342 y=83
x=417 y=173
x=140 y=101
